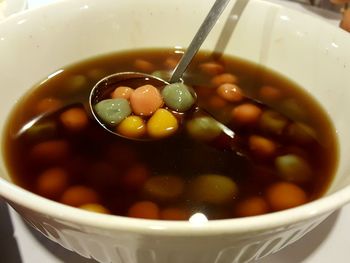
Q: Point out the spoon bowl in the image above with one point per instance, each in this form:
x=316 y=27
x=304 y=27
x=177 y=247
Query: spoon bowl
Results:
x=119 y=109
x=105 y=87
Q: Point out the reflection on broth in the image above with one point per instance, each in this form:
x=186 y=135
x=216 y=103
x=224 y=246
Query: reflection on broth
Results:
x=54 y=147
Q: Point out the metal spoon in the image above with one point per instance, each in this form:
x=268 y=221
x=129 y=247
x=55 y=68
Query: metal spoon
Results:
x=104 y=86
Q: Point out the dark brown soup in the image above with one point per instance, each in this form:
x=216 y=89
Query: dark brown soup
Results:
x=283 y=154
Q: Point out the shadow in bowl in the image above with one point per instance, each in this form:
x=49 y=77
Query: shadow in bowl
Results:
x=303 y=248
x=8 y=243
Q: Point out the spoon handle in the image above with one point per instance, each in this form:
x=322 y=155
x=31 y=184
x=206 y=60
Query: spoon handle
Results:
x=199 y=38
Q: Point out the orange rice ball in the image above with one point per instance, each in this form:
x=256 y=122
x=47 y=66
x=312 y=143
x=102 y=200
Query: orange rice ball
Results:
x=79 y=195
x=212 y=68
x=252 y=206
x=74 y=119
x=262 y=146
x=52 y=182
x=284 y=195
x=246 y=113
x=144 y=65
x=136 y=176
x=230 y=92
x=144 y=209
x=50 y=151
x=48 y=104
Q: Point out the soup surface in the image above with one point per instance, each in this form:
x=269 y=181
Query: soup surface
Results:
x=283 y=153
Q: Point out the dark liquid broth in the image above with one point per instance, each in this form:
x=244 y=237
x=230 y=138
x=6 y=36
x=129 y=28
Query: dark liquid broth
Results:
x=100 y=160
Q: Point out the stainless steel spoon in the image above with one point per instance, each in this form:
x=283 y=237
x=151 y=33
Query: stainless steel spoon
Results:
x=99 y=90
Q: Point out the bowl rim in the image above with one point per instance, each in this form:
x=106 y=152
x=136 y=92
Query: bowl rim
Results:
x=15 y=195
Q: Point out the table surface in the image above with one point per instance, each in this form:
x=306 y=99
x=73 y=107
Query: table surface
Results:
x=327 y=243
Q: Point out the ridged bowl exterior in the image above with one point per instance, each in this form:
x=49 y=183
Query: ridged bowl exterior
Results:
x=120 y=247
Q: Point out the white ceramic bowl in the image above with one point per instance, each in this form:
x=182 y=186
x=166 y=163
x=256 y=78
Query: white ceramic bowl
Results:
x=311 y=52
